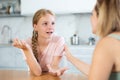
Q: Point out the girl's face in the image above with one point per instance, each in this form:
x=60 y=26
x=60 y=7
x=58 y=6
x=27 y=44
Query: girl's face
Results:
x=45 y=26
x=94 y=21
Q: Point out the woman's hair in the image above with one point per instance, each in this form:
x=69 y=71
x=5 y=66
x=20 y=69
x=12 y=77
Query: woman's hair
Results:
x=97 y=6
x=40 y=13
x=109 y=17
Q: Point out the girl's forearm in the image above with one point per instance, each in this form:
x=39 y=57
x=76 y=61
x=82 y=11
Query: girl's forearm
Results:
x=32 y=63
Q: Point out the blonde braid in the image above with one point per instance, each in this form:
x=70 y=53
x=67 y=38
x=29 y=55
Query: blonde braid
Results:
x=34 y=44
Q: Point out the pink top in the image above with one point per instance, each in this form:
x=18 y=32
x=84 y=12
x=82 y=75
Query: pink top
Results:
x=54 y=48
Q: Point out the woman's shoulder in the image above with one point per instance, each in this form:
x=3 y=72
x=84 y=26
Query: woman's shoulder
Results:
x=107 y=45
x=111 y=40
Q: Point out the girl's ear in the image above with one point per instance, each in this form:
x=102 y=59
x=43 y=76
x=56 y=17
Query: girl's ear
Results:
x=35 y=27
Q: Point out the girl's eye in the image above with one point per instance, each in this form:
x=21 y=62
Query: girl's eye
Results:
x=45 y=23
x=53 y=23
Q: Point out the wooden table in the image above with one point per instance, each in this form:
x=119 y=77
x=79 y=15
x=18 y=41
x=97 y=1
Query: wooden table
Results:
x=26 y=75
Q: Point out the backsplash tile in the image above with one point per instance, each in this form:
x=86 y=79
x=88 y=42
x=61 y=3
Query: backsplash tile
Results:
x=66 y=26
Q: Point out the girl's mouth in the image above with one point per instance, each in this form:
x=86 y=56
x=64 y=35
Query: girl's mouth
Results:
x=49 y=32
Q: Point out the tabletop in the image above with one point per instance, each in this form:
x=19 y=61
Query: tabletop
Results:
x=26 y=75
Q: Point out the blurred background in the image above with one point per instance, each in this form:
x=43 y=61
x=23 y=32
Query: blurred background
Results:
x=72 y=22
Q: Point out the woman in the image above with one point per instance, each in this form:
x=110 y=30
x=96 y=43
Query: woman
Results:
x=44 y=50
x=106 y=58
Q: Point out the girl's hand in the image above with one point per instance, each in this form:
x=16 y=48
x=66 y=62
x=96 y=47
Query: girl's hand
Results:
x=56 y=72
x=20 y=44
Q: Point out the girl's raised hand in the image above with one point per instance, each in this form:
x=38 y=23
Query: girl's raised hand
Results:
x=20 y=44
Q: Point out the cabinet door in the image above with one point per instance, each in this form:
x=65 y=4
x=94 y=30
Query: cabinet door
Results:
x=20 y=62
x=7 y=58
x=12 y=58
x=29 y=7
x=83 y=54
x=81 y=6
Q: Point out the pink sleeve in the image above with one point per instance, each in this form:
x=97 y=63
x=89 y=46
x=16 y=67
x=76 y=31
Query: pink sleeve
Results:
x=59 y=47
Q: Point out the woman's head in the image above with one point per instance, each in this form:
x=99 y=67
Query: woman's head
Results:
x=43 y=24
x=95 y=14
x=94 y=21
x=108 y=17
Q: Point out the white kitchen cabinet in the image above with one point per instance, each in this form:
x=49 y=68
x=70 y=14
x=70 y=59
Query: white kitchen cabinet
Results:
x=80 y=6
x=84 y=53
x=11 y=58
x=29 y=7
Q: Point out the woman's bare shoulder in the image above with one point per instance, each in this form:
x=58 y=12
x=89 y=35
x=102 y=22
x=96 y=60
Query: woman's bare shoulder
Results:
x=106 y=46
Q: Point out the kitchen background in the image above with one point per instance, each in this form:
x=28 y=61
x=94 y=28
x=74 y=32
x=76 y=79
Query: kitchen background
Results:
x=66 y=26
x=71 y=18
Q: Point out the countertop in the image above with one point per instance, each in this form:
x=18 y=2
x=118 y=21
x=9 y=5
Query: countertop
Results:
x=26 y=75
x=70 y=46
x=82 y=46
x=5 y=45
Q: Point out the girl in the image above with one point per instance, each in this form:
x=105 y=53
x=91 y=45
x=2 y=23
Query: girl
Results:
x=44 y=50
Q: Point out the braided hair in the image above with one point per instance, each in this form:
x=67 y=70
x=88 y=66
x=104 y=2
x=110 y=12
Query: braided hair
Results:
x=34 y=44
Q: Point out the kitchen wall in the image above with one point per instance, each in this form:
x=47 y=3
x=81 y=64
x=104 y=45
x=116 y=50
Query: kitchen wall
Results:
x=66 y=26
x=69 y=24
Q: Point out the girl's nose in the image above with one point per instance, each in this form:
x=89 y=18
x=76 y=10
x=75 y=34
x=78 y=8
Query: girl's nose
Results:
x=51 y=26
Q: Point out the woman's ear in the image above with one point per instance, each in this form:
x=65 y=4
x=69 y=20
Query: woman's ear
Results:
x=35 y=27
